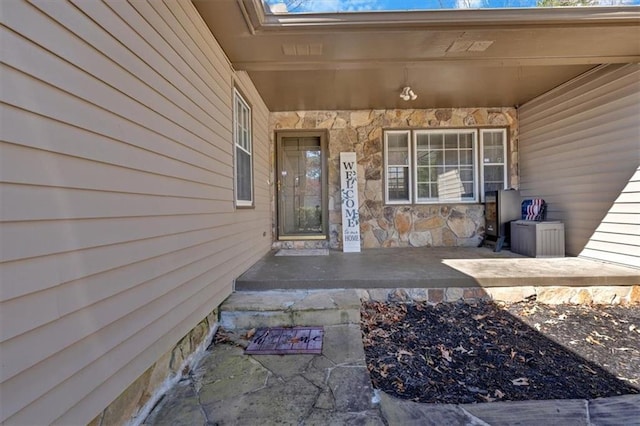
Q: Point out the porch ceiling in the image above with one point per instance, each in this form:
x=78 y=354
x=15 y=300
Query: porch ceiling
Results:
x=362 y=60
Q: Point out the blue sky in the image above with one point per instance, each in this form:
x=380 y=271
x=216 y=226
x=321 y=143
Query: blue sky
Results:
x=369 y=5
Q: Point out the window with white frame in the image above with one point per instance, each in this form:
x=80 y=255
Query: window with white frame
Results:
x=493 y=145
x=443 y=165
x=243 y=151
x=397 y=164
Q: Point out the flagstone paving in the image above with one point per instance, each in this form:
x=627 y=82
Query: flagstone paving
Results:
x=231 y=388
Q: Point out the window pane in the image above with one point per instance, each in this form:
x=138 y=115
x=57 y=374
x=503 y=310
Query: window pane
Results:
x=434 y=190
x=492 y=187
x=398 y=158
x=238 y=131
x=438 y=158
x=468 y=190
x=243 y=174
x=425 y=158
x=436 y=141
x=493 y=154
x=466 y=157
x=494 y=174
x=433 y=174
x=451 y=141
x=423 y=174
x=398 y=149
x=466 y=174
x=398 y=183
x=492 y=139
x=398 y=140
x=422 y=141
x=466 y=140
x=451 y=157
x=423 y=190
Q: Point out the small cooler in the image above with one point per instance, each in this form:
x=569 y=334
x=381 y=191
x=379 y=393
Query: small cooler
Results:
x=537 y=239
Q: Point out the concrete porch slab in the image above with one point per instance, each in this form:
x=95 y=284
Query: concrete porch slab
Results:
x=429 y=267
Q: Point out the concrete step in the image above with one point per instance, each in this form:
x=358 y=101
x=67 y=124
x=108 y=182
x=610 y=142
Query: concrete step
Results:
x=253 y=309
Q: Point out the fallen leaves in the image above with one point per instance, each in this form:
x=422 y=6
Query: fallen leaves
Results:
x=593 y=341
x=444 y=353
x=402 y=352
x=482 y=352
x=520 y=381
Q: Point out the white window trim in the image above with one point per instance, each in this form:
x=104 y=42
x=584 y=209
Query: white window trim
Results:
x=386 y=167
x=238 y=100
x=505 y=163
x=478 y=164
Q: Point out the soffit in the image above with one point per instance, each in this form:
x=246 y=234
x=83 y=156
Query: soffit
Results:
x=354 y=61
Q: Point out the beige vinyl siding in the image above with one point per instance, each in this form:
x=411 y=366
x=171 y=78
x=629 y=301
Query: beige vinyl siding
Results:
x=118 y=230
x=617 y=238
x=579 y=149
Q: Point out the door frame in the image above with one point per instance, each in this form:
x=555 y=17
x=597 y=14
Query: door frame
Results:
x=323 y=134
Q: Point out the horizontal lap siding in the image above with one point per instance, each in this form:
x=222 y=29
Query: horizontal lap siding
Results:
x=119 y=232
x=617 y=239
x=580 y=151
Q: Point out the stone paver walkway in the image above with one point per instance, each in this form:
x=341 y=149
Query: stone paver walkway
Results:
x=230 y=388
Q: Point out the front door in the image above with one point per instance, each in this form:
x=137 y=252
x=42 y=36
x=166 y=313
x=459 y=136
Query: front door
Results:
x=300 y=175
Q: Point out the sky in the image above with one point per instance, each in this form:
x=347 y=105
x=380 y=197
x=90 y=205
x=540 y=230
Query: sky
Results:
x=372 y=5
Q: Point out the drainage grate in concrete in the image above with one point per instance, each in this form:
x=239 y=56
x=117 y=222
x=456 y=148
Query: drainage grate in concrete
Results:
x=286 y=341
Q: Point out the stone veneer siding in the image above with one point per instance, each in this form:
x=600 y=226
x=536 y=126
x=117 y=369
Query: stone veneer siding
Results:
x=128 y=407
x=435 y=225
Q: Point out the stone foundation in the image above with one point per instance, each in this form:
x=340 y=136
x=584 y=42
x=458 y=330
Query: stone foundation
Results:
x=599 y=295
x=433 y=225
x=132 y=403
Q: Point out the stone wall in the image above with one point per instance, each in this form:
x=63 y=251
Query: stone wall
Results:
x=383 y=225
x=131 y=406
x=551 y=295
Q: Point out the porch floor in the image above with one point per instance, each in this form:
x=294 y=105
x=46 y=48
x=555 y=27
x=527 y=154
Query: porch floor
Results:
x=429 y=267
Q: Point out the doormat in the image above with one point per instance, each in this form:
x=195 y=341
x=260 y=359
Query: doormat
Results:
x=303 y=252
x=286 y=341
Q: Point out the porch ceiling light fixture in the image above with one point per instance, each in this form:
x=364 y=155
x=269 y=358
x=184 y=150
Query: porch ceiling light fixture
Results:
x=407 y=93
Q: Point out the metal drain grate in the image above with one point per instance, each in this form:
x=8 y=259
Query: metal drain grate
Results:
x=286 y=341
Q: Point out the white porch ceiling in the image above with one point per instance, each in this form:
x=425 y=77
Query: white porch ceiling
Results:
x=460 y=58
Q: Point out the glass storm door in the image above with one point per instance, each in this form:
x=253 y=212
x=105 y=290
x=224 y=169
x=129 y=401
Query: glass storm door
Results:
x=301 y=191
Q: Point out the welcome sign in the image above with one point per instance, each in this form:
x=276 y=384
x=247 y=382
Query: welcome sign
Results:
x=349 y=192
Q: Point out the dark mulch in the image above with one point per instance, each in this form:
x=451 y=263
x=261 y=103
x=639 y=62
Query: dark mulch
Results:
x=481 y=352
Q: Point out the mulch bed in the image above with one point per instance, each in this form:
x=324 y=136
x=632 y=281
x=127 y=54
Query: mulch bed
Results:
x=468 y=352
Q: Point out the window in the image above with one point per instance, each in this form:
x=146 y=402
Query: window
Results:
x=494 y=159
x=243 y=151
x=443 y=166
x=397 y=160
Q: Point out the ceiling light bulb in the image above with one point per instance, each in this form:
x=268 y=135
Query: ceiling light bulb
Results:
x=413 y=95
